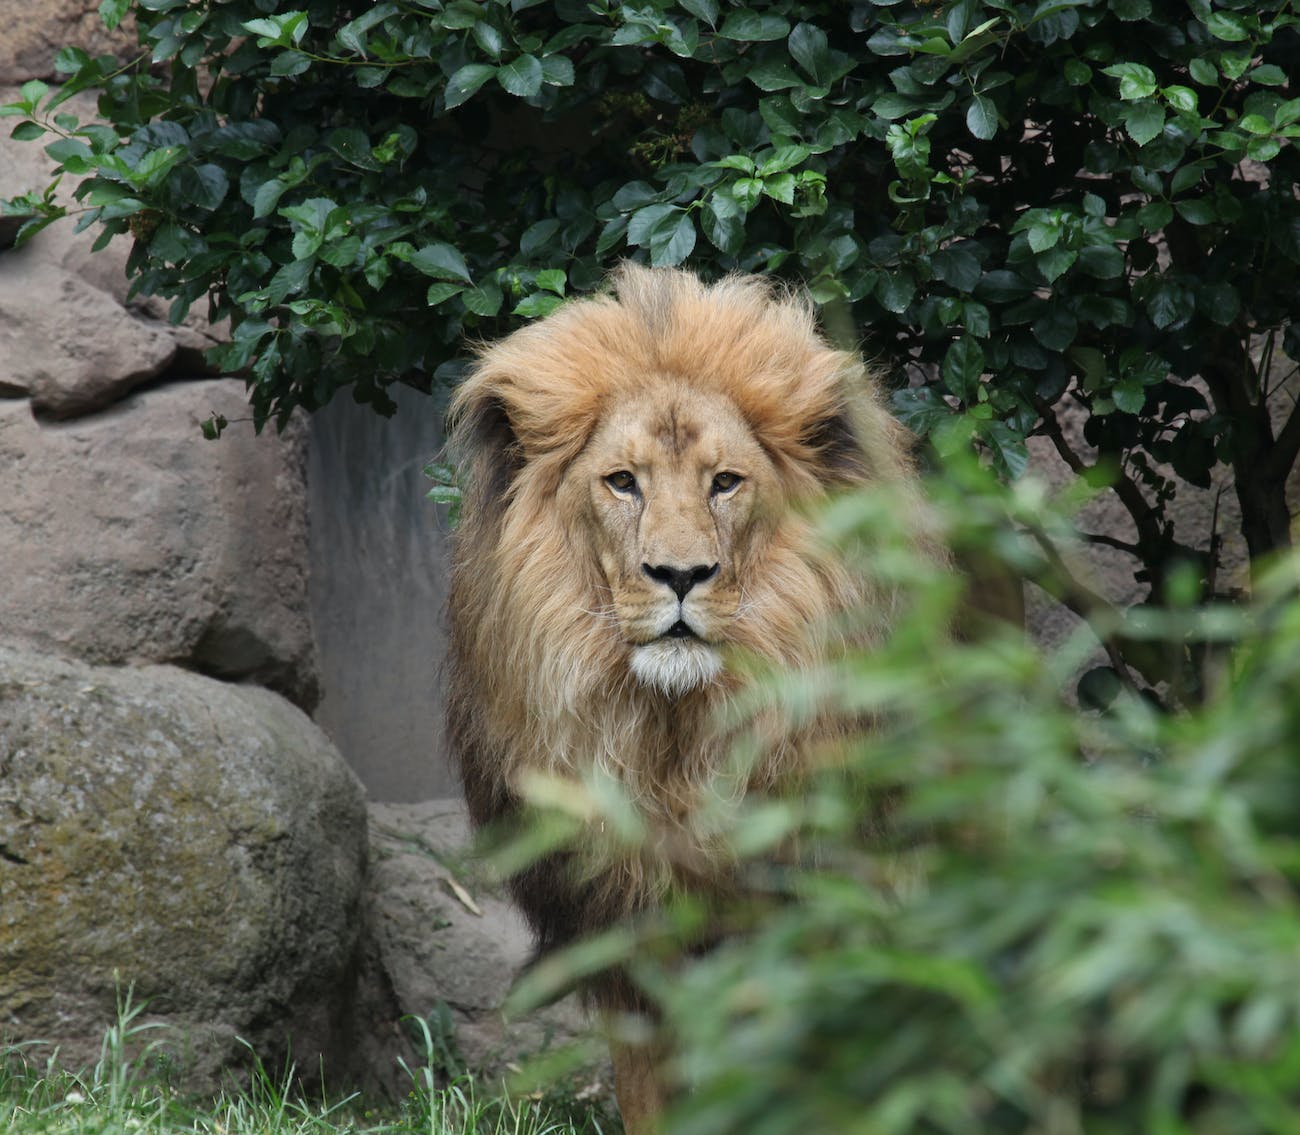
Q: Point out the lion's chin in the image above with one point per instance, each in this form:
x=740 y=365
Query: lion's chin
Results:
x=676 y=666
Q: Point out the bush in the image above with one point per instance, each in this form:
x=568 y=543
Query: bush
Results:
x=1032 y=211
x=1073 y=921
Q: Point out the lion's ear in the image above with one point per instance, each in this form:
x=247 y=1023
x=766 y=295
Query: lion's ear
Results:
x=483 y=444
x=836 y=445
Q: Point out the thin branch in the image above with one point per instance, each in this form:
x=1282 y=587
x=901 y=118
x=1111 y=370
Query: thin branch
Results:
x=1126 y=489
x=1091 y=606
x=1111 y=542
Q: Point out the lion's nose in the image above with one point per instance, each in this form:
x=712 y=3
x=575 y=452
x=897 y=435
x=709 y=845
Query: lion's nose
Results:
x=681 y=580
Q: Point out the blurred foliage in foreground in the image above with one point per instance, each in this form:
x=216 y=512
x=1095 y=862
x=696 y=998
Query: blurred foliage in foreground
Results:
x=1076 y=920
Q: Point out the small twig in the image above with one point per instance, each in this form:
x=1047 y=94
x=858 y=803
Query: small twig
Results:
x=1111 y=542
x=1091 y=606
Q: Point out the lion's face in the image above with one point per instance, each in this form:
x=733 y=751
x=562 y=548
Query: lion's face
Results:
x=672 y=485
x=637 y=466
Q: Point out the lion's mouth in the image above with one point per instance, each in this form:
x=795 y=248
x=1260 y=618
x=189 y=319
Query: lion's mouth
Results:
x=679 y=629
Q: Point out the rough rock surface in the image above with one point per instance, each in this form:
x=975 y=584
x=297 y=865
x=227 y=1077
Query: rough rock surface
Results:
x=199 y=841
x=125 y=537
x=34 y=33
x=440 y=935
x=67 y=345
x=69 y=337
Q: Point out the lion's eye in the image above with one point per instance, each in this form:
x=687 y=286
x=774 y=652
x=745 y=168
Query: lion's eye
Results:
x=725 y=482
x=621 y=482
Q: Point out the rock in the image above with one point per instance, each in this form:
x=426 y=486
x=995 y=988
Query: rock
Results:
x=34 y=33
x=71 y=347
x=69 y=334
x=126 y=537
x=440 y=935
x=200 y=843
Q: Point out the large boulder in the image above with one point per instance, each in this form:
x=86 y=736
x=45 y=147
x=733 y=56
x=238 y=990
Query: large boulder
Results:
x=125 y=537
x=198 y=842
x=445 y=944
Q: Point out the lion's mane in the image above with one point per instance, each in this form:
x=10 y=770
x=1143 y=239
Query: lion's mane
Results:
x=540 y=679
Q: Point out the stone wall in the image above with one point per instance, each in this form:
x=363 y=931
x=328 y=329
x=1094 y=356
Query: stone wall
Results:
x=171 y=819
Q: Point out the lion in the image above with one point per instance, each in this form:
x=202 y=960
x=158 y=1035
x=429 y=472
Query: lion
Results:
x=638 y=467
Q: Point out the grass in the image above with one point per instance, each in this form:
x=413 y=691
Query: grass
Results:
x=123 y=1094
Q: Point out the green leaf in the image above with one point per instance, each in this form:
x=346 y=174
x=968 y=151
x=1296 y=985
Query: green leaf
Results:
x=289 y=63
x=441 y=261
x=644 y=221
x=1267 y=75
x=73 y=148
x=1263 y=149
x=1203 y=71
x=672 y=243
x=1136 y=81
x=1144 y=121
x=1077 y=72
x=484 y=300
x=722 y=223
x=342 y=253
x=1055 y=262
x=465 y=81
x=537 y=306
x=1129 y=395
x=523 y=76
x=557 y=71
x=112 y=12
x=783 y=158
x=1010 y=453
x=440 y=293
x=26 y=131
x=920 y=409
x=706 y=10
x=774 y=75
x=267 y=197
x=963 y=366
x=1101 y=261
x=982 y=118
x=780 y=188
x=1197 y=211
x=895 y=291
x=33 y=91
x=956 y=267
x=1003 y=286
x=1286 y=113
x=749 y=26
x=809 y=48
x=1227 y=26
x=488 y=37
x=552 y=280
x=1056 y=329
x=538 y=236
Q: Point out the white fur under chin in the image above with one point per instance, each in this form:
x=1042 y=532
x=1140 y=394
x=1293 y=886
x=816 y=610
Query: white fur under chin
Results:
x=676 y=666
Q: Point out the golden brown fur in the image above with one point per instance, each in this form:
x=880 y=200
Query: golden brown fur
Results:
x=541 y=675
x=559 y=607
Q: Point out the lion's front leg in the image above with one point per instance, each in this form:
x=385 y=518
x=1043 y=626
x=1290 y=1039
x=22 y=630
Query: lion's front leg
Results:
x=638 y=1084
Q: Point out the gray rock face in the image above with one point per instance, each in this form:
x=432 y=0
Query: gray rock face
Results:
x=199 y=841
x=125 y=537
x=69 y=346
x=440 y=934
x=35 y=32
